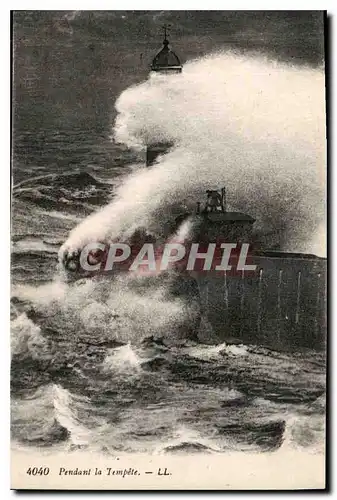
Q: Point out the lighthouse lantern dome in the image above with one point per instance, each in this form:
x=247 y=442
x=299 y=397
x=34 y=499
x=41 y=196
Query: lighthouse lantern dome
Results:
x=166 y=61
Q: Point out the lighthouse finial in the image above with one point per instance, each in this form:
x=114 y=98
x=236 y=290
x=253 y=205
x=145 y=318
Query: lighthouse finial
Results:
x=166 y=28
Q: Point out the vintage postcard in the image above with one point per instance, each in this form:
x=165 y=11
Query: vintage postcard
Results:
x=168 y=268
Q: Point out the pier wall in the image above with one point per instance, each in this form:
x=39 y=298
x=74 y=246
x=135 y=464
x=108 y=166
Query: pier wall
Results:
x=282 y=306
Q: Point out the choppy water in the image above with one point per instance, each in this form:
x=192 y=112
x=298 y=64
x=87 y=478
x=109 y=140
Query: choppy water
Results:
x=91 y=372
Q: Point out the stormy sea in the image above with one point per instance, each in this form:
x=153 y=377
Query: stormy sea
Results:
x=88 y=376
x=97 y=365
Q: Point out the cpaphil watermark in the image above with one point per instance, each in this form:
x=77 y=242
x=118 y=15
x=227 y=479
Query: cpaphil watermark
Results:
x=229 y=258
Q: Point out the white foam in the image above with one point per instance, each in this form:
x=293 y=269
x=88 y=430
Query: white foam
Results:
x=254 y=125
x=32 y=244
x=124 y=359
x=26 y=337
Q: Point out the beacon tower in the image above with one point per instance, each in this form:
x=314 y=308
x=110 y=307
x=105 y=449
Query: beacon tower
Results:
x=166 y=62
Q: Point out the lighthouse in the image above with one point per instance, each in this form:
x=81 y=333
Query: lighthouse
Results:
x=166 y=62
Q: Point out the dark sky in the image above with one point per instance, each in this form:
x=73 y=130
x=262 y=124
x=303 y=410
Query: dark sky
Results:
x=69 y=67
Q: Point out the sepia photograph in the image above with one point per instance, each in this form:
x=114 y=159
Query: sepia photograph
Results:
x=168 y=249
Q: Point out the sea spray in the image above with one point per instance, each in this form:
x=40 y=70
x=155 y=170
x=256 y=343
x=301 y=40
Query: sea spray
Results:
x=26 y=338
x=253 y=125
x=125 y=309
x=123 y=359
